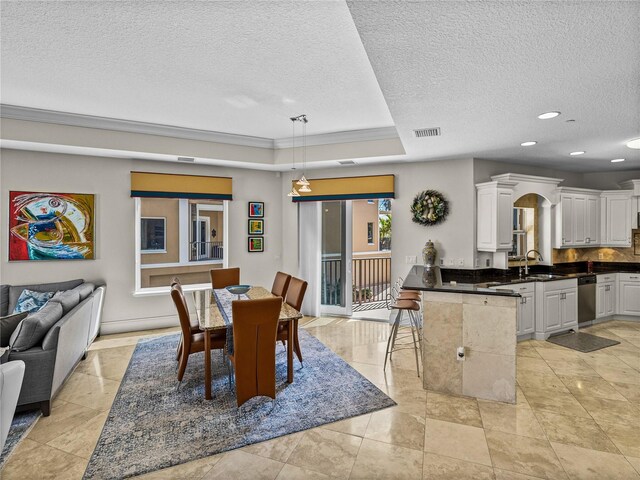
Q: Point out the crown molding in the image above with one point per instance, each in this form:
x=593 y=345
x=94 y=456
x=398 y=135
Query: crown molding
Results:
x=105 y=123
x=517 y=177
x=29 y=114
x=364 y=135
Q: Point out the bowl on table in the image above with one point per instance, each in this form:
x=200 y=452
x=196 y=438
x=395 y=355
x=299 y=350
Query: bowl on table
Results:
x=238 y=289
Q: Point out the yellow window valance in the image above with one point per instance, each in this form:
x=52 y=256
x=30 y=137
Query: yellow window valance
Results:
x=348 y=188
x=169 y=185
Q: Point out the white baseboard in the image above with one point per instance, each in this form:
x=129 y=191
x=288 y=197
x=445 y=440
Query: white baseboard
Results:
x=137 y=324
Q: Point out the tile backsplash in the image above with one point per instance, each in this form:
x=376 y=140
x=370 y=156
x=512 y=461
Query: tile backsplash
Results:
x=598 y=254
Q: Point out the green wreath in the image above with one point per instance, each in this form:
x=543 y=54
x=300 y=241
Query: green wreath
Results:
x=429 y=208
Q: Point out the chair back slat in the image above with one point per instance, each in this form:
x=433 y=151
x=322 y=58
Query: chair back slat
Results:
x=224 y=277
x=255 y=325
x=281 y=284
x=183 y=312
x=295 y=293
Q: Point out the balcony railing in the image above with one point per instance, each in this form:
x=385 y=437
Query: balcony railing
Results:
x=371 y=278
x=201 y=251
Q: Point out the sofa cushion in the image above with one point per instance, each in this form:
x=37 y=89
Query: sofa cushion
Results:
x=85 y=290
x=16 y=290
x=30 y=301
x=35 y=326
x=8 y=325
x=68 y=299
x=4 y=300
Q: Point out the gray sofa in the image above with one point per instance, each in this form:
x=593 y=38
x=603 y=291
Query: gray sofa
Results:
x=52 y=359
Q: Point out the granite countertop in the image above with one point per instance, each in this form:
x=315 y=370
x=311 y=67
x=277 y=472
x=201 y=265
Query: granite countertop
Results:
x=496 y=282
x=420 y=278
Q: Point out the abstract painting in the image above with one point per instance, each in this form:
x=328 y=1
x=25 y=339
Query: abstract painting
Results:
x=256 y=209
x=256 y=227
x=256 y=244
x=51 y=226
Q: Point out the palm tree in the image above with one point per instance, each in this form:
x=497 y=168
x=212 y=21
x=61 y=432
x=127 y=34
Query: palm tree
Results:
x=384 y=225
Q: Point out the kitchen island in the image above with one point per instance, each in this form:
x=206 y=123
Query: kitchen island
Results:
x=480 y=321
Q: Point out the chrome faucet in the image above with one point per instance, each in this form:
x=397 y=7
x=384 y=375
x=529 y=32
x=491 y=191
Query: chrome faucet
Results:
x=526 y=258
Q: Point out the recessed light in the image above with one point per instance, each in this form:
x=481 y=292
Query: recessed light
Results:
x=617 y=160
x=528 y=144
x=635 y=143
x=548 y=115
x=573 y=154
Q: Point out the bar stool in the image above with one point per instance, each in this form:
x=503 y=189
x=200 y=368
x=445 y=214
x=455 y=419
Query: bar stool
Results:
x=412 y=307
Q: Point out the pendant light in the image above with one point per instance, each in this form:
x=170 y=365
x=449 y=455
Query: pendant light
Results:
x=304 y=185
x=293 y=192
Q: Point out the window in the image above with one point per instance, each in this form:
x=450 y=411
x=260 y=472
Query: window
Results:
x=153 y=235
x=178 y=237
x=370 y=233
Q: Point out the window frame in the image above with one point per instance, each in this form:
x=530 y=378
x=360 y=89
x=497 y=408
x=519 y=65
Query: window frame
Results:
x=164 y=224
x=183 y=229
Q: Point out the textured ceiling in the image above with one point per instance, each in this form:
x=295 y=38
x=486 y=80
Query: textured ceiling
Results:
x=483 y=71
x=239 y=67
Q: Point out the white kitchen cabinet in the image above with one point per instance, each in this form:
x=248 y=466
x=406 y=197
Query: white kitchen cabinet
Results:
x=556 y=306
x=628 y=294
x=495 y=216
x=615 y=218
x=526 y=308
x=606 y=295
x=577 y=218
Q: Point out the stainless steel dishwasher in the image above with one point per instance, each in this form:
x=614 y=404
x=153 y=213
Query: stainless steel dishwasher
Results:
x=586 y=298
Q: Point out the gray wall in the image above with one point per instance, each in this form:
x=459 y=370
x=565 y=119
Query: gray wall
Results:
x=109 y=180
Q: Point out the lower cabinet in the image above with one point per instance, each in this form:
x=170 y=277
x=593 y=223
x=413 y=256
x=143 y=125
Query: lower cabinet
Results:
x=557 y=306
x=526 y=309
x=628 y=294
x=605 y=299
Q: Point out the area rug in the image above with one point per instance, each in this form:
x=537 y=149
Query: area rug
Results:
x=153 y=425
x=583 y=342
x=20 y=427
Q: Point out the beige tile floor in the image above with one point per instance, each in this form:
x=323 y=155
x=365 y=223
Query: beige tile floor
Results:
x=577 y=416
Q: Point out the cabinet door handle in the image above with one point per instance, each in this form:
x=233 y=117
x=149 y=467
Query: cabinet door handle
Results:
x=563 y=296
x=607 y=288
x=524 y=300
x=588 y=240
x=634 y=278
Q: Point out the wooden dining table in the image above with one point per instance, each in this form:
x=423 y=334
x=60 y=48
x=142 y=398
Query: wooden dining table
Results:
x=213 y=308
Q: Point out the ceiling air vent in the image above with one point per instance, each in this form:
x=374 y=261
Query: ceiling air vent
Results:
x=186 y=159
x=427 y=132
x=346 y=162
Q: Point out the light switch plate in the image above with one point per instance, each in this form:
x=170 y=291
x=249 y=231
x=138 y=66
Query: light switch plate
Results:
x=411 y=259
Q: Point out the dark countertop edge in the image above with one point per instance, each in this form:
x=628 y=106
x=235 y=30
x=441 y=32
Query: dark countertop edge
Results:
x=497 y=292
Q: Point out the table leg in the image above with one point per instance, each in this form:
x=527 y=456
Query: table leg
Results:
x=290 y=351
x=207 y=365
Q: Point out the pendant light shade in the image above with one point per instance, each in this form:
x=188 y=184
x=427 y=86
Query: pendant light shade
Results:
x=303 y=181
x=304 y=189
x=293 y=192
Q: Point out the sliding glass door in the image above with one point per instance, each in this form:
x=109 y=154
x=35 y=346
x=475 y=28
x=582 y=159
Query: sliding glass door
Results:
x=336 y=296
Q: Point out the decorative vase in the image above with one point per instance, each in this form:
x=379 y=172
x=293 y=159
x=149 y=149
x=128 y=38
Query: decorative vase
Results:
x=429 y=253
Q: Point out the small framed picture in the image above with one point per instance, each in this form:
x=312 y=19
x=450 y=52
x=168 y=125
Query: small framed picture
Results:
x=256 y=227
x=256 y=244
x=256 y=209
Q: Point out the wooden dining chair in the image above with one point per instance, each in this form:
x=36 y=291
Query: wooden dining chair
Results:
x=281 y=284
x=255 y=326
x=224 y=277
x=192 y=342
x=295 y=297
x=195 y=327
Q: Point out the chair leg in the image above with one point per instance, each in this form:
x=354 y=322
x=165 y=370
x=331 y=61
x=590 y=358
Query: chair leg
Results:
x=395 y=333
x=179 y=349
x=415 y=345
x=296 y=342
x=392 y=335
x=183 y=364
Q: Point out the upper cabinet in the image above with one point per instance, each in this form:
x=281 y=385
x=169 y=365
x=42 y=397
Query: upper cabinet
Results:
x=577 y=218
x=494 y=216
x=616 y=218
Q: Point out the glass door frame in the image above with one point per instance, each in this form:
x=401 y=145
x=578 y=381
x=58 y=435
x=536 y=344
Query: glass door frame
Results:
x=346 y=257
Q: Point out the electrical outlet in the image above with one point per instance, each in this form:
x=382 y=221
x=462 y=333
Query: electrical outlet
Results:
x=488 y=262
x=600 y=256
x=442 y=261
x=451 y=262
x=411 y=259
x=461 y=262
